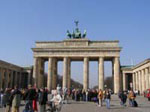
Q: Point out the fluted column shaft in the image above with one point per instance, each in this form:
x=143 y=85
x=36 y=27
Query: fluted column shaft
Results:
x=134 y=82
x=11 y=77
x=6 y=78
x=65 y=72
x=149 y=75
x=143 y=80
x=0 y=78
x=69 y=74
x=50 y=73
x=116 y=75
x=35 y=72
x=16 y=78
x=101 y=73
x=54 y=75
x=147 y=78
x=124 y=82
x=137 y=81
x=21 y=80
x=86 y=74
x=41 y=73
x=140 y=81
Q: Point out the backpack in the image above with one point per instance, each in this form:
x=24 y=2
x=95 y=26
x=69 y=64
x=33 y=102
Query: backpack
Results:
x=134 y=103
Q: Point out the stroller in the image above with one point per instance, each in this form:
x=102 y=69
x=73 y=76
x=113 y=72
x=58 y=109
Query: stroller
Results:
x=53 y=107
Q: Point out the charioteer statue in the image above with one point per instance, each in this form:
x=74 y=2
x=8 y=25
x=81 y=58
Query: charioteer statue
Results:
x=76 y=34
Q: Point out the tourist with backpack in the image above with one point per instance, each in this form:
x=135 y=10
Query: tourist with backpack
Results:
x=132 y=101
x=16 y=99
x=100 y=98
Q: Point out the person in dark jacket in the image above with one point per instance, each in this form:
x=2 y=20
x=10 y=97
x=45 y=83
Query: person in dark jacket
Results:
x=30 y=95
x=107 y=97
x=8 y=101
x=123 y=98
x=43 y=100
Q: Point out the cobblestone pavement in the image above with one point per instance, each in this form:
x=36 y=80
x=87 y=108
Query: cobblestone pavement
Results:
x=72 y=106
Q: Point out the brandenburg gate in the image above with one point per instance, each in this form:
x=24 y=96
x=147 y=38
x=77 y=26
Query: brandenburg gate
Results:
x=75 y=48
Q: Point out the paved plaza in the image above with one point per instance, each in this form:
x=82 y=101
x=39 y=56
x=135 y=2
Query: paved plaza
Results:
x=144 y=106
x=72 y=106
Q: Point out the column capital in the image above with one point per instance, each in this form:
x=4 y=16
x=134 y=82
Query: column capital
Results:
x=101 y=58
x=146 y=70
x=117 y=57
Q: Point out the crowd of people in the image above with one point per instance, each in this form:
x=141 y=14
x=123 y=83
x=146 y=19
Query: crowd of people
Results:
x=93 y=95
x=10 y=99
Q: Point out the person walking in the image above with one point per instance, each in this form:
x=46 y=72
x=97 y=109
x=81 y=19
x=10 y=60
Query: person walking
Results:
x=8 y=101
x=43 y=99
x=123 y=98
x=30 y=95
x=65 y=98
x=16 y=99
x=107 y=98
x=100 y=98
x=34 y=102
x=132 y=97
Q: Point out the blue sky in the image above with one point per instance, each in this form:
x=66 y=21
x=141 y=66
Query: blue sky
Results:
x=22 y=22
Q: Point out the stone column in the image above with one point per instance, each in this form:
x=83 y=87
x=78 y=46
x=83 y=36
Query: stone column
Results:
x=124 y=82
x=21 y=81
x=86 y=74
x=18 y=79
x=54 y=75
x=149 y=75
x=41 y=73
x=134 y=82
x=29 y=76
x=14 y=78
x=137 y=81
x=69 y=74
x=121 y=81
x=35 y=72
x=50 y=73
x=112 y=73
x=65 y=72
x=147 y=78
x=0 y=78
x=101 y=73
x=15 y=83
x=116 y=75
x=6 y=78
x=11 y=78
x=143 y=81
x=140 y=81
